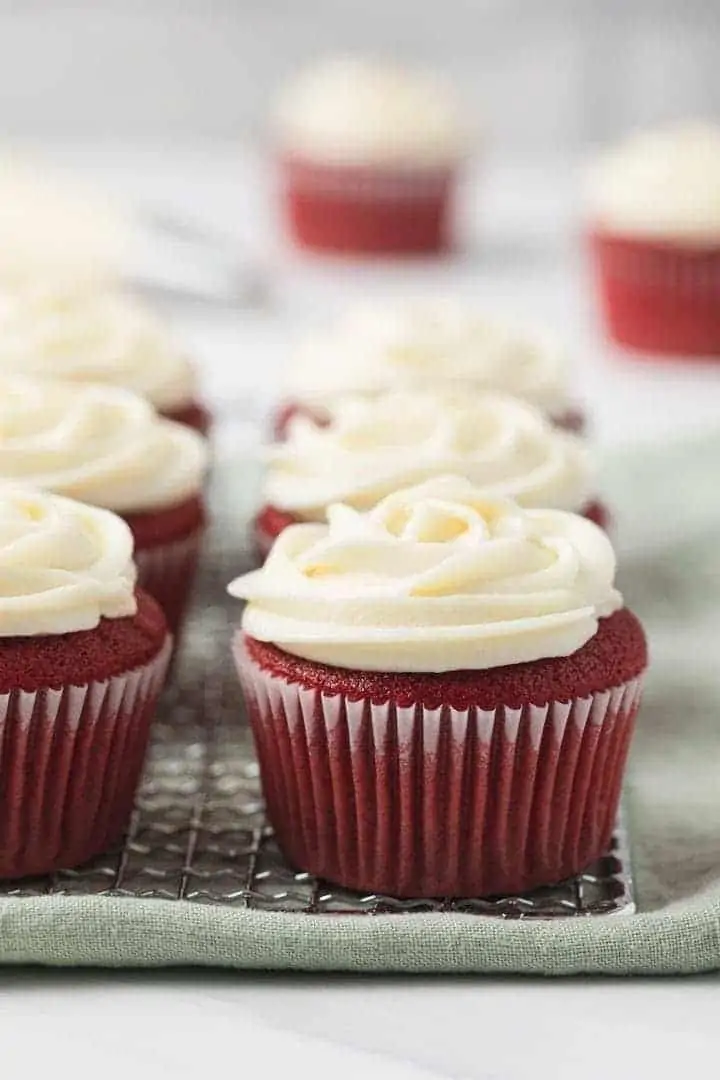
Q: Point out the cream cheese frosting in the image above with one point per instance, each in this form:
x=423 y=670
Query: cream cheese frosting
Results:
x=92 y=335
x=96 y=443
x=357 y=111
x=372 y=447
x=51 y=223
x=63 y=565
x=438 y=577
x=662 y=183
x=442 y=345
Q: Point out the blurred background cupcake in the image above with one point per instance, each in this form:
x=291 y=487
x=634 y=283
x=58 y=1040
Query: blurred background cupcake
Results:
x=108 y=447
x=654 y=205
x=371 y=447
x=83 y=656
x=449 y=347
x=78 y=333
x=369 y=153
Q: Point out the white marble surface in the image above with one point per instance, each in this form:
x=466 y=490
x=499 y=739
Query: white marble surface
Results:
x=179 y=1024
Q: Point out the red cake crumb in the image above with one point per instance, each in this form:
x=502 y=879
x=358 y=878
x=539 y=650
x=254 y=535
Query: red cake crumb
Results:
x=193 y=415
x=159 y=527
x=616 y=654
x=57 y=660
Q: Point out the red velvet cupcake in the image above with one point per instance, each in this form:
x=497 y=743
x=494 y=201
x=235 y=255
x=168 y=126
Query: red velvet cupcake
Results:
x=368 y=158
x=368 y=448
x=82 y=661
x=78 y=333
x=427 y=345
x=442 y=692
x=655 y=241
x=108 y=447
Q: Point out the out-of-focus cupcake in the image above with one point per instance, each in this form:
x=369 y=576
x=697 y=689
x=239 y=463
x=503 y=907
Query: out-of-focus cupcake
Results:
x=109 y=448
x=372 y=447
x=654 y=206
x=442 y=346
x=53 y=223
x=83 y=657
x=81 y=334
x=369 y=153
x=442 y=692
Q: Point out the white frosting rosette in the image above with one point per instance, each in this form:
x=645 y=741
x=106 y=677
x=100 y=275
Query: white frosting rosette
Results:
x=362 y=111
x=662 y=183
x=63 y=565
x=438 y=577
x=99 y=444
x=372 y=447
x=81 y=334
x=444 y=346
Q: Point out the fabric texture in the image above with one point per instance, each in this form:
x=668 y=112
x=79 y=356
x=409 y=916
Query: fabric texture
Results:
x=668 y=532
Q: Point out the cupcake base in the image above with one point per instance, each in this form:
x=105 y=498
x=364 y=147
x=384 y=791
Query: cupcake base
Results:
x=75 y=712
x=357 y=210
x=167 y=551
x=659 y=298
x=465 y=784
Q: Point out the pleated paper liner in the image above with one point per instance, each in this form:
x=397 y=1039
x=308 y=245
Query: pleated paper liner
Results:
x=416 y=802
x=70 y=761
x=659 y=298
x=167 y=572
x=367 y=210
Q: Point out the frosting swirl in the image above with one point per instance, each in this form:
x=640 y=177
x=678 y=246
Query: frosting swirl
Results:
x=86 y=335
x=63 y=565
x=426 y=345
x=663 y=183
x=99 y=444
x=438 y=577
x=373 y=447
x=354 y=111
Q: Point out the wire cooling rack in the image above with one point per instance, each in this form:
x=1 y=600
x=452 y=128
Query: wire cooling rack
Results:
x=199 y=832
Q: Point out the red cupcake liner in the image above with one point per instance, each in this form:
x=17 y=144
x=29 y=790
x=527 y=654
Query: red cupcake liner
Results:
x=167 y=572
x=70 y=761
x=367 y=210
x=659 y=297
x=409 y=801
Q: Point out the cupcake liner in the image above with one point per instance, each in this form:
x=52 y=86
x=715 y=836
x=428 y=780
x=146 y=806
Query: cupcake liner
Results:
x=70 y=760
x=659 y=297
x=167 y=572
x=365 y=210
x=415 y=802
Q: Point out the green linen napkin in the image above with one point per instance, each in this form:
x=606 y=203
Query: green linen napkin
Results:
x=668 y=531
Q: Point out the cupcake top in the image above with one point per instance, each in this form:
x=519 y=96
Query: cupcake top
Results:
x=438 y=577
x=435 y=344
x=53 y=223
x=663 y=183
x=86 y=335
x=362 y=111
x=63 y=565
x=99 y=444
x=372 y=447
